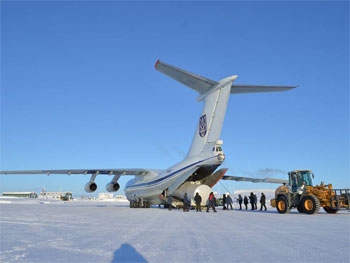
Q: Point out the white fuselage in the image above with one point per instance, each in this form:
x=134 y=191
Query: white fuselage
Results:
x=151 y=187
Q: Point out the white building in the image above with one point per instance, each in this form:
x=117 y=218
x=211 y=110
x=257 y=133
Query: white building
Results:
x=103 y=196
x=55 y=195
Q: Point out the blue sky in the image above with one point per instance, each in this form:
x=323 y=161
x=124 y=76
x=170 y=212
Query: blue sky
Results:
x=79 y=88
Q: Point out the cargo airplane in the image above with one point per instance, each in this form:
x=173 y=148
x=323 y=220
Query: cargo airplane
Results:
x=197 y=172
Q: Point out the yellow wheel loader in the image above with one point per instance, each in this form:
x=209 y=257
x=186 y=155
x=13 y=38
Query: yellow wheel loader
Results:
x=306 y=198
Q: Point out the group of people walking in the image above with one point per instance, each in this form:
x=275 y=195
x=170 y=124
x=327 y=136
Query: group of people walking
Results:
x=226 y=202
x=253 y=200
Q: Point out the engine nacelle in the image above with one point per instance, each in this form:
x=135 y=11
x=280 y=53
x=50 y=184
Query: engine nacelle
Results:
x=90 y=187
x=112 y=187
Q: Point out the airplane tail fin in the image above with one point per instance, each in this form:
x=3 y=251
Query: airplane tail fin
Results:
x=215 y=96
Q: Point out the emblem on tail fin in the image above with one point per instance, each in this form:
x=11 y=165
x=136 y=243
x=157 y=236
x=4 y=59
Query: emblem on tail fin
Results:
x=203 y=125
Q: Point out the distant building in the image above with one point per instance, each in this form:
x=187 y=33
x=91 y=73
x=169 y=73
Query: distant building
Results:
x=102 y=196
x=65 y=196
x=21 y=194
x=121 y=197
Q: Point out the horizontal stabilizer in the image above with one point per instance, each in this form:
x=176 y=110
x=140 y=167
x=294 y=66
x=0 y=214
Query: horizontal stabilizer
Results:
x=241 y=89
x=194 y=81
x=255 y=180
x=203 y=85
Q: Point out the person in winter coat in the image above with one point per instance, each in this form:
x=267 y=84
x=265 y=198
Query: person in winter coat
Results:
x=186 y=202
x=240 y=199
x=170 y=200
x=229 y=202
x=262 y=201
x=255 y=202
x=211 y=202
x=224 y=202
x=198 y=201
x=245 y=200
x=252 y=200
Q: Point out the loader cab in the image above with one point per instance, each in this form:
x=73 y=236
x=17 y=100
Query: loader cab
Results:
x=298 y=179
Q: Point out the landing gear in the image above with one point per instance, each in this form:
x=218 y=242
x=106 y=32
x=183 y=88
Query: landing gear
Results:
x=140 y=204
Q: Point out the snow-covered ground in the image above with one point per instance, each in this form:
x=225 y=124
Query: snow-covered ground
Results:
x=34 y=230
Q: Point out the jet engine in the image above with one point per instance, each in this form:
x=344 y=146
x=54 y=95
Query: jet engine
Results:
x=112 y=187
x=90 y=187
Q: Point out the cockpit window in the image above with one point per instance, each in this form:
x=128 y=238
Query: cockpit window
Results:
x=217 y=149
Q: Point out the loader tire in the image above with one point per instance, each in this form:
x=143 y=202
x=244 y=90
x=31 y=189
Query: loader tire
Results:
x=330 y=210
x=300 y=208
x=311 y=204
x=282 y=205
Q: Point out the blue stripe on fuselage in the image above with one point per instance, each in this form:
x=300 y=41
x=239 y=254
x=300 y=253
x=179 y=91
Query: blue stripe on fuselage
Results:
x=168 y=176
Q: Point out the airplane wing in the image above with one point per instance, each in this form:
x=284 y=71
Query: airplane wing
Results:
x=136 y=172
x=255 y=180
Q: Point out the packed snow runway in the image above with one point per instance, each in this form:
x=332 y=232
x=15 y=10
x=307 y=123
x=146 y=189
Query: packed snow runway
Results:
x=35 y=230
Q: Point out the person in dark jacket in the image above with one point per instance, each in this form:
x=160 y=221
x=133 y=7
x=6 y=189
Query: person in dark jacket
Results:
x=255 y=202
x=224 y=202
x=240 y=199
x=229 y=202
x=252 y=200
x=170 y=200
x=186 y=202
x=245 y=200
x=198 y=201
x=262 y=201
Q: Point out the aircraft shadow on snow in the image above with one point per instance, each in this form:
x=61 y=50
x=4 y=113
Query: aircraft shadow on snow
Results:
x=127 y=253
